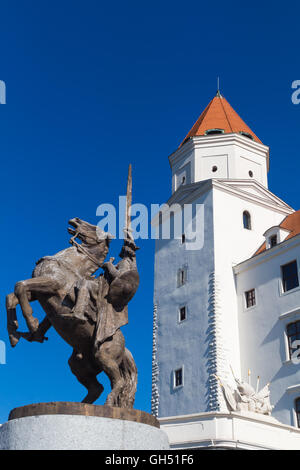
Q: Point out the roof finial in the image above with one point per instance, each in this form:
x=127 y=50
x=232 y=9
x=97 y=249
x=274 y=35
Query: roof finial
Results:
x=218 y=87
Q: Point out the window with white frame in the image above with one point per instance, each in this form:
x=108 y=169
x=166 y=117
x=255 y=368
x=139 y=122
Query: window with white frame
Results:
x=289 y=276
x=178 y=378
x=250 y=299
x=273 y=241
x=246 y=220
x=181 y=276
x=182 y=314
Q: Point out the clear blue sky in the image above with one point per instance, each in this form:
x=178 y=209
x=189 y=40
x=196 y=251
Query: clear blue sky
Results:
x=94 y=85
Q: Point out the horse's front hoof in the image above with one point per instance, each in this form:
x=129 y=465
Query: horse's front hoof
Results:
x=14 y=339
x=32 y=324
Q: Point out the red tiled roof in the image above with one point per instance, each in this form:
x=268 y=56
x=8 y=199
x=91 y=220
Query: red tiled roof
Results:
x=219 y=115
x=290 y=223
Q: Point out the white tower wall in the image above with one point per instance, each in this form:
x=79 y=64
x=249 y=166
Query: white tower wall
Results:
x=224 y=156
x=232 y=244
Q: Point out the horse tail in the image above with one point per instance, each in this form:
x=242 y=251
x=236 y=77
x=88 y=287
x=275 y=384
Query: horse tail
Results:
x=128 y=372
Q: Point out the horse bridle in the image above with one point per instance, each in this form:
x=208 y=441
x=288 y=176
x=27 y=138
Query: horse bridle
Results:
x=83 y=250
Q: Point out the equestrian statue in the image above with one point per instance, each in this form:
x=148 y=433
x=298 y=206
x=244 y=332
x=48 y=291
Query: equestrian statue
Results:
x=86 y=311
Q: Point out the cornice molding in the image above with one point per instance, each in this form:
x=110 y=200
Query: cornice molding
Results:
x=216 y=141
x=271 y=201
x=187 y=194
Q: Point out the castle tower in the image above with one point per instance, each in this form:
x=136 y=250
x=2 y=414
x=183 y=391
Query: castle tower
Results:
x=220 y=168
x=219 y=145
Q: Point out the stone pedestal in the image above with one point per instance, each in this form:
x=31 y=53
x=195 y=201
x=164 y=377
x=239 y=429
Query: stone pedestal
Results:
x=72 y=426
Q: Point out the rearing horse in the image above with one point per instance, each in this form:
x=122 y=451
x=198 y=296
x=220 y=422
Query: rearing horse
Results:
x=87 y=312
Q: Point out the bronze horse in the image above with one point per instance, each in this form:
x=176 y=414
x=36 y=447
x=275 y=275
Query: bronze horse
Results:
x=87 y=312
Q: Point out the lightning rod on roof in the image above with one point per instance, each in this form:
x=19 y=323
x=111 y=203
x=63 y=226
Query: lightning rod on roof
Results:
x=218 y=87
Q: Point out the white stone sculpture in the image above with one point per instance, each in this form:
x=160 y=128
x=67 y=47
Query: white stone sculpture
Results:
x=245 y=398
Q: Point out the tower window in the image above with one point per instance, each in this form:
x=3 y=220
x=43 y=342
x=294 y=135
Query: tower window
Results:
x=246 y=134
x=214 y=169
x=273 y=241
x=250 y=298
x=297 y=409
x=251 y=174
x=183 y=180
x=178 y=377
x=246 y=220
x=293 y=334
x=214 y=131
x=181 y=277
x=183 y=238
x=182 y=314
x=289 y=273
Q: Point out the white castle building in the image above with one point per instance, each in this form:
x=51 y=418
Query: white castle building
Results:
x=232 y=307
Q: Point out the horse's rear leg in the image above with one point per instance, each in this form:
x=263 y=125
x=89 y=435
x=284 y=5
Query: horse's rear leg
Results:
x=112 y=370
x=109 y=356
x=22 y=296
x=86 y=375
x=12 y=322
x=23 y=291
